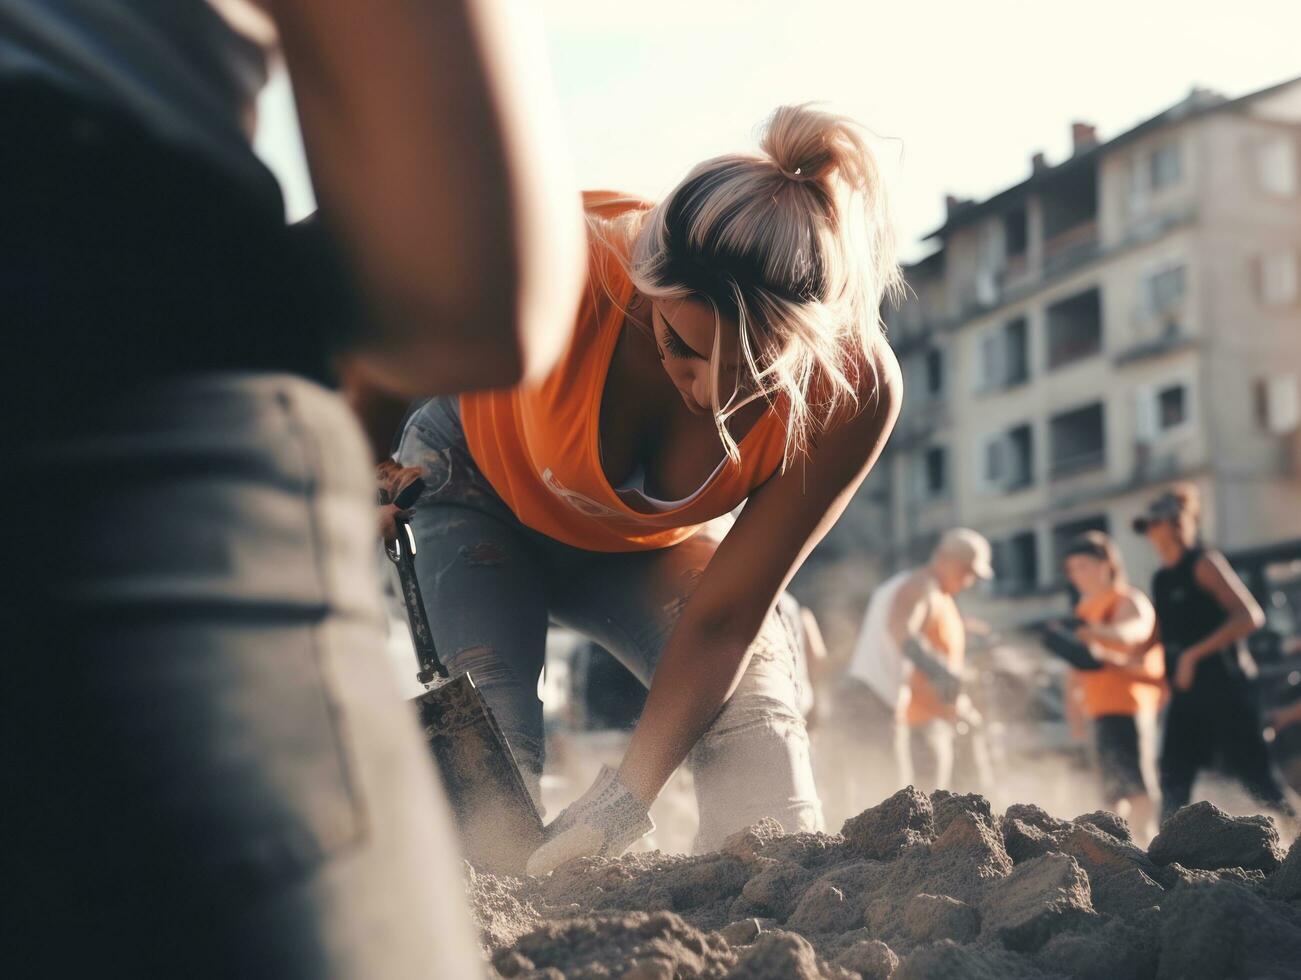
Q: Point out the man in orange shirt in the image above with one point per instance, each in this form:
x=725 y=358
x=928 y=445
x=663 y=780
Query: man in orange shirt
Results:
x=910 y=653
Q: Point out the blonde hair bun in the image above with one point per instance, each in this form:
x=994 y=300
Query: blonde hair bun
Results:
x=807 y=144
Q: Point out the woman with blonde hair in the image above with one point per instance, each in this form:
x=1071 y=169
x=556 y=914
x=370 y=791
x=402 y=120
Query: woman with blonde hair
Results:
x=729 y=350
x=1125 y=692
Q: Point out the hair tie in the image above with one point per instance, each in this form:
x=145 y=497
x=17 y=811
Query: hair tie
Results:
x=798 y=175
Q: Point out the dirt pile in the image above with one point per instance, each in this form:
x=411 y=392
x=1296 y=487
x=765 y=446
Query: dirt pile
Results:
x=917 y=887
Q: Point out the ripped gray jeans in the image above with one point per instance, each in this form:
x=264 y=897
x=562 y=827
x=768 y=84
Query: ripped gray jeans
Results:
x=492 y=585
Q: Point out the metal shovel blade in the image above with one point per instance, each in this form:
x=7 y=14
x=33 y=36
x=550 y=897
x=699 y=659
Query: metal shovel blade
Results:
x=498 y=822
x=496 y=818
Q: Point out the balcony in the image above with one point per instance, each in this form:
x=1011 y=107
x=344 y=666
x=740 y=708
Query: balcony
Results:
x=1071 y=247
x=1069 y=466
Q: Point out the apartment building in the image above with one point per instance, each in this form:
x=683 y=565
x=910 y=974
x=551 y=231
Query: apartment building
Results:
x=1122 y=319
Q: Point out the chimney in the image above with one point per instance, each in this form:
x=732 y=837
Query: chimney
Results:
x=953 y=204
x=1084 y=136
x=1038 y=163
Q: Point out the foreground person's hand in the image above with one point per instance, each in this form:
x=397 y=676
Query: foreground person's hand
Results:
x=603 y=821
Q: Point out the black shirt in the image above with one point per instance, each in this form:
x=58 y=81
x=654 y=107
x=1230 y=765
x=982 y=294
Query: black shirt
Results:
x=1187 y=614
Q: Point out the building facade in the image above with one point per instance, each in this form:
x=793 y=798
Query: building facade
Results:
x=1126 y=318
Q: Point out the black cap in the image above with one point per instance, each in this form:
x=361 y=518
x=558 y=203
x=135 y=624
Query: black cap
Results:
x=1166 y=507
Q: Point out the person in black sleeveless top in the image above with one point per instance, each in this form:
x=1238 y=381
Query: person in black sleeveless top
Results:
x=1203 y=613
x=210 y=771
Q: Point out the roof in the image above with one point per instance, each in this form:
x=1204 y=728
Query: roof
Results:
x=1199 y=102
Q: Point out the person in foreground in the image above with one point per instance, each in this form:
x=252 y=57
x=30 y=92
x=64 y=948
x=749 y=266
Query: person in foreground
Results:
x=1116 y=617
x=729 y=350
x=1203 y=613
x=212 y=773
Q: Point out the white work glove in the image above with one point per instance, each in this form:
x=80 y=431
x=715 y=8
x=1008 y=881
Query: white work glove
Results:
x=603 y=821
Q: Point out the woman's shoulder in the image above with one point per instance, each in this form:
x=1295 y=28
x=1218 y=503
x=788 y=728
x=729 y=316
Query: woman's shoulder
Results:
x=1134 y=598
x=613 y=204
x=877 y=382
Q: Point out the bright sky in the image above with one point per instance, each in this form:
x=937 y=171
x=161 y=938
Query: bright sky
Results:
x=961 y=93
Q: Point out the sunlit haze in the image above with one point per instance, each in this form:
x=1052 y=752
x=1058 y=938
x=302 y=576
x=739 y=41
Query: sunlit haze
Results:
x=960 y=94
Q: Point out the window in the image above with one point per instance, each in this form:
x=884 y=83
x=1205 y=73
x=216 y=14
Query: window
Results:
x=1152 y=172
x=1016 y=564
x=1276 y=166
x=1004 y=356
x=1015 y=232
x=934 y=372
x=1162 y=409
x=1164 y=167
x=1163 y=290
x=933 y=474
x=1278 y=278
x=1008 y=459
x=1171 y=407
x=1278 y=404
x=1074 y=328
x=1077 y=441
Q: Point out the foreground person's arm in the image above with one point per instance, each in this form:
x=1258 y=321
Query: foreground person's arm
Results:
x=436 y=159
x=710 y=648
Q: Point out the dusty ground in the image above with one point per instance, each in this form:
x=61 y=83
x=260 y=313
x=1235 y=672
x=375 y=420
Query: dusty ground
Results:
x=915 y=887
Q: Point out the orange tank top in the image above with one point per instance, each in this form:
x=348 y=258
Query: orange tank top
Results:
x=1112 y=690
x=944 y=630
x=539 y=444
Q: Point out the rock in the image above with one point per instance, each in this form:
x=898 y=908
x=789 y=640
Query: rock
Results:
x=880 y=915
x=1213 y=929
x=1121 y=877
x=1035 y=816
x=700 y=882
x=809 y=850
x=869 y=958
x=1041 y=898
x=1109 y=823
x=742 y=932
x=963 y=860
x=510 y=964
x=928 y=918
x=653 y=969
x=1202 y=835
x=888 y=829
x=1123 y=949
x=776 y=888
x=824 y=908
x=1286 y=881
x=946 y=806
x=1024 y=841
x=948 y=961
x=745 y=845
x=585 y=947
x=781 y=955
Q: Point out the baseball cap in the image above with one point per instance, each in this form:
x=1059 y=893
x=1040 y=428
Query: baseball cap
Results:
x=1166 y=507
x=968 y=546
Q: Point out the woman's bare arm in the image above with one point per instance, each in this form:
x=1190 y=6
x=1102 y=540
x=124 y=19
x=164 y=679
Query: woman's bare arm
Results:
x=1123 y=642
x=437 y=160
x=782 y=522
x=1217 y=577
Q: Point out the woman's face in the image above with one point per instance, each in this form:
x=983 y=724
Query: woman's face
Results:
x=1179 y=531
x=1089 y=575
x=684 y=333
